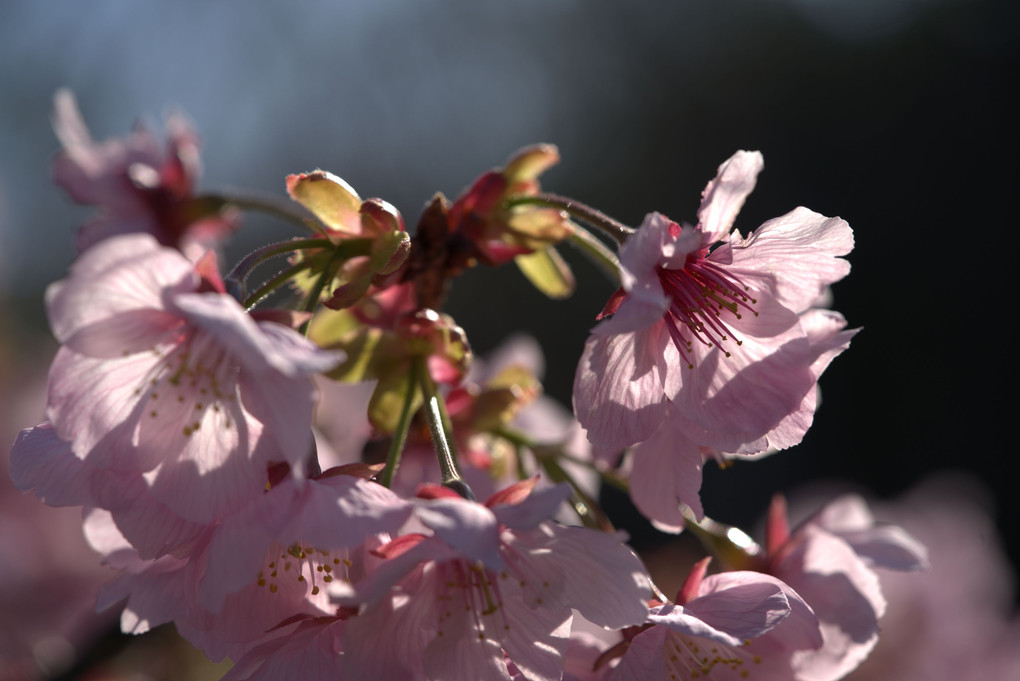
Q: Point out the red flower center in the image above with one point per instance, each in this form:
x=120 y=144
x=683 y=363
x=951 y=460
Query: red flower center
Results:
x=701 y=293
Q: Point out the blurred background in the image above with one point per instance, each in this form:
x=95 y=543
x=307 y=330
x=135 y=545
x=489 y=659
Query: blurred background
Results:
x=893 y=114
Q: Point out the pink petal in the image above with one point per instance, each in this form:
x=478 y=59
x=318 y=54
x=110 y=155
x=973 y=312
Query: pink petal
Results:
x=42 y=462
x=149 y=525
x=459 y=655
x=535 y=638
x=362 y=507
x=724 y=196
x=468 y=527
x=597 y=563
x=311 y=651
x=538 y=507
x=618 y=387
x=801 y=250
x=844 y=594
x=124 y=274
x=258 y=347
x=665 y=473
x=732 y=403
x=93 y=401
x=743 y=604
x=641 y=253
x=389 y=572
x=886 y=546
x=645 y=658
x=677 y=618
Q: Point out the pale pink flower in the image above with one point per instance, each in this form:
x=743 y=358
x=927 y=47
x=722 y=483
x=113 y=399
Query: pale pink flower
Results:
x=709 y=326
x=292 y=534
x=137 y=186
x=490 y=580
x=260 y=569
x=163 y=375
x=830 y=560
x=665 y=470
x=45 y=464
x=729 y=625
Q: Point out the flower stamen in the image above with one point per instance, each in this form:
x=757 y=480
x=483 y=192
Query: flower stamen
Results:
x=700 y=292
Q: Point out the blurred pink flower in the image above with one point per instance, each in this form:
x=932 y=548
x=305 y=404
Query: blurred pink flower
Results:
x=137 y=186
x=830 y=560
x=708 y=327
x=958 y=620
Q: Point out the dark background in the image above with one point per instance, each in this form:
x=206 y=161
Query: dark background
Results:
x=892 y=114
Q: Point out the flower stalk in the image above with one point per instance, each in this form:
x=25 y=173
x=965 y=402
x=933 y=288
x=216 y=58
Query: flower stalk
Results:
x=269 y=205
x=403 y=426
x=235 y=279
x=594 y=217
x=273 y=283
x=596 y=251
x=441 y=428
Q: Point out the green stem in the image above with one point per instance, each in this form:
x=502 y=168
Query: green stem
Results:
x=235 y=279
x=521 y=440
x=328 y=272
x=285 y=210
x=403 y=426
x=442 y=431
x=597 y=252
x=272 y=284
x=522 y=469
x=596 y=218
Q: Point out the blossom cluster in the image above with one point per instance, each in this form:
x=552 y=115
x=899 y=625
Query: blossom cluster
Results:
x=315 y=478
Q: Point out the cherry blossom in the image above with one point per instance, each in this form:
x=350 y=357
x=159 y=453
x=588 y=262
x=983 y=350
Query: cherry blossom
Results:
x=708 y=324
x=727 y=625
x=137 y=186
x=163 y=374
x=665 y=470
x=970 y=576
x=259 y=569
x=490 y=579
x=183 y=417
x=830 y=560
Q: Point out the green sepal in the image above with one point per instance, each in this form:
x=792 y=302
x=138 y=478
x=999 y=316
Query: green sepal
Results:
x=342 y=330
x=503 y=396
x=548 y=272
x=389 y=252
x=329 y=198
